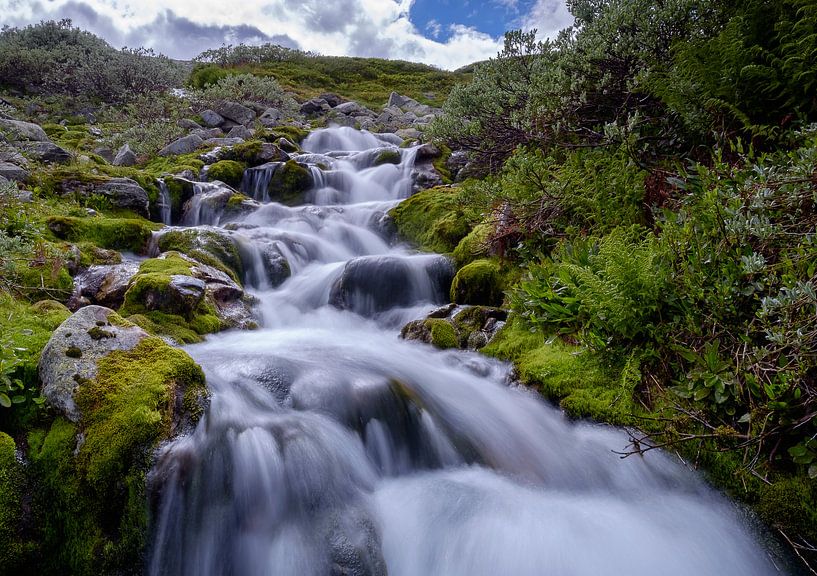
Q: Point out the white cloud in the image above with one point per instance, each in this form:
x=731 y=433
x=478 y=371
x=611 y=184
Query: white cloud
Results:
x=548 y=17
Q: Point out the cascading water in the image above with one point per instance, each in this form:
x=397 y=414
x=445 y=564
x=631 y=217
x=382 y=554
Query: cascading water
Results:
x=332 y=447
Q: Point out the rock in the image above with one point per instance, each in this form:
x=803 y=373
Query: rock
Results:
x=271 y=118
x=70 y=358
x=428 y=152
x=353 y=109
x=315 y=107
x=373 y=284
x=425 y=176
x=204 y=243
x=106 y=153
x=24 y=196
x=209 y=133
x=212 y=119
x=222 y=141
x=47 y=152
x=13 y=172
x=187 y=124
x=398 y=101
x=103 y=285
x=12 y=156
x=125 y=157
x=184 y=145
x=287 y=146
x=240 y=132
x=17 y=130
x=332 y=99
x=452 y=326
x=126 y=193
x=409 y=134
x=479 y=282
x=236 y=112
x=284 y=182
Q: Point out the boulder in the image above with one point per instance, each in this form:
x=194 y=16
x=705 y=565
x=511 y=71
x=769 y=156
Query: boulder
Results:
x=236 y=112
x=103 y=285
x=184 y=145
x=222 y=141
x=126 y=193
x=240 y=132
x=479 y=282
x=315 y=107
x=212 y=119
x=409 y=134
x=12 y=156
x=206 y=133
x=70 y=358
x=17 y=130
x=424 y=176
x=187 y=124
x=125 y=157
x=13 y=172
x=271 y=118
x=106 y=153
x=373 y=284
x=332 y=99
x=353 y=109
x=452 y=326
x=428 y=152
x=47 y=152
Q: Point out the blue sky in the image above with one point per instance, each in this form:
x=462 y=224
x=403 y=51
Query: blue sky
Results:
x=434 y=18
x=445 y=33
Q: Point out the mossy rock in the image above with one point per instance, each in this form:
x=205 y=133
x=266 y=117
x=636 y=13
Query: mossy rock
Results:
x=387 y=157
x=474 y=246
x=93 y=503
x=213 y=247
x=289 y=183
x=480 y=282
x=432 y=219
x=443 y=334
x=161 y=166
x=116 y=233
x=228 y=171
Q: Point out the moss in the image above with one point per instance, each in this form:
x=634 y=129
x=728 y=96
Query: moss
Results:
x=441 y=164
x=91 y=254
x=566 y=374
x=93 y=505
x=791 y=505
x=45 y=277
x=480 y=282
x=164 y=165
x=117 y=233
x=211 y=248
x=292 y=133
x=167 y=325
x=228 y=171
x=443 y=334
x=432 y=219
x=73 y=352
x=12 y=548
x=289 y=183
x=473 y=246
x=387 y=157
x=246 y=153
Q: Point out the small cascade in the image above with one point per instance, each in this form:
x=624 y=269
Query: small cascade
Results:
x=332 y=447
x=207 y=204
x=165 y=202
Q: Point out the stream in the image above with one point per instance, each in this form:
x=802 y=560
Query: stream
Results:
x=333 y=447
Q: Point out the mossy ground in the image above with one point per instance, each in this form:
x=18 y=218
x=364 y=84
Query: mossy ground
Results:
x=14 y=550
x=129 y=234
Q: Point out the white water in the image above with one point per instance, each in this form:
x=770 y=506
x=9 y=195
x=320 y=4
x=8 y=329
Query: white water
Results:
x=333 y=447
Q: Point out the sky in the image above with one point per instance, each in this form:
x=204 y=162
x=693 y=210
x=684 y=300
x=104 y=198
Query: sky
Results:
x=445 y=33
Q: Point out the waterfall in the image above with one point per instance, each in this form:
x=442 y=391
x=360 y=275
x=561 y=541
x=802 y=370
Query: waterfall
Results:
x=332 y=447
x=165 y=203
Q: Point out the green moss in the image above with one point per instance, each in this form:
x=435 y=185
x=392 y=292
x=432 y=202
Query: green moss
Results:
x=432 y=219
x=167 y=325
x=292 y=133
x=440 y=164
x=12 y=549
x=443 y=334
x=247 y=153
x=566 y=374
x=473 y=246
x=207 y=247
x=387 y=157
x=480 y=282
x=164 y=165
x=45 y=277
x=92 y=505
x=171 y=263
x=289 y=183
x=228 y=171
x=117 y=233
x=791 y=505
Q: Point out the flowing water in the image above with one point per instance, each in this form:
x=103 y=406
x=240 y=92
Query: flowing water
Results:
x=332 y=447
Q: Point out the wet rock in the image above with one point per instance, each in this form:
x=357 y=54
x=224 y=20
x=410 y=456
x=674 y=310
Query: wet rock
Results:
x=424 y=176
x=428 y=152
x=452 y=326
x=373 y=284
x=13 y=172
x=184 y=145
x=16 y=130
x=71 y=355
x=236 y=112
x=125 y=156
x=126 y=193
x=103 y=285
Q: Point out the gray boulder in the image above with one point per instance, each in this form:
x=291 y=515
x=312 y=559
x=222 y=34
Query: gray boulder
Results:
x=187 y=124
x=315 y=107
x=126 y=193
x=184 y=145
x=425 y=176
x=240 y=132
x=212 y=119
x=125 y=157
x=236 y=112
x=353 y=109
x=271 y=117
x=17 y=130
x=13 y=172
x=222 y=141
x=409 y=134
x=47 y=152
x=106 y=153
x=333 y=100
x=207 y=133
x=104 y=285
x=71 y=355
x=398 y=101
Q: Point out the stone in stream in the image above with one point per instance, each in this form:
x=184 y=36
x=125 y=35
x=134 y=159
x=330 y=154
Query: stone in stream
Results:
x=103 y=285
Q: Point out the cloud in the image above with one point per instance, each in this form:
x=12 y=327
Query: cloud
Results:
x=434 y=28
x=380 y=28
x=548 y=17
